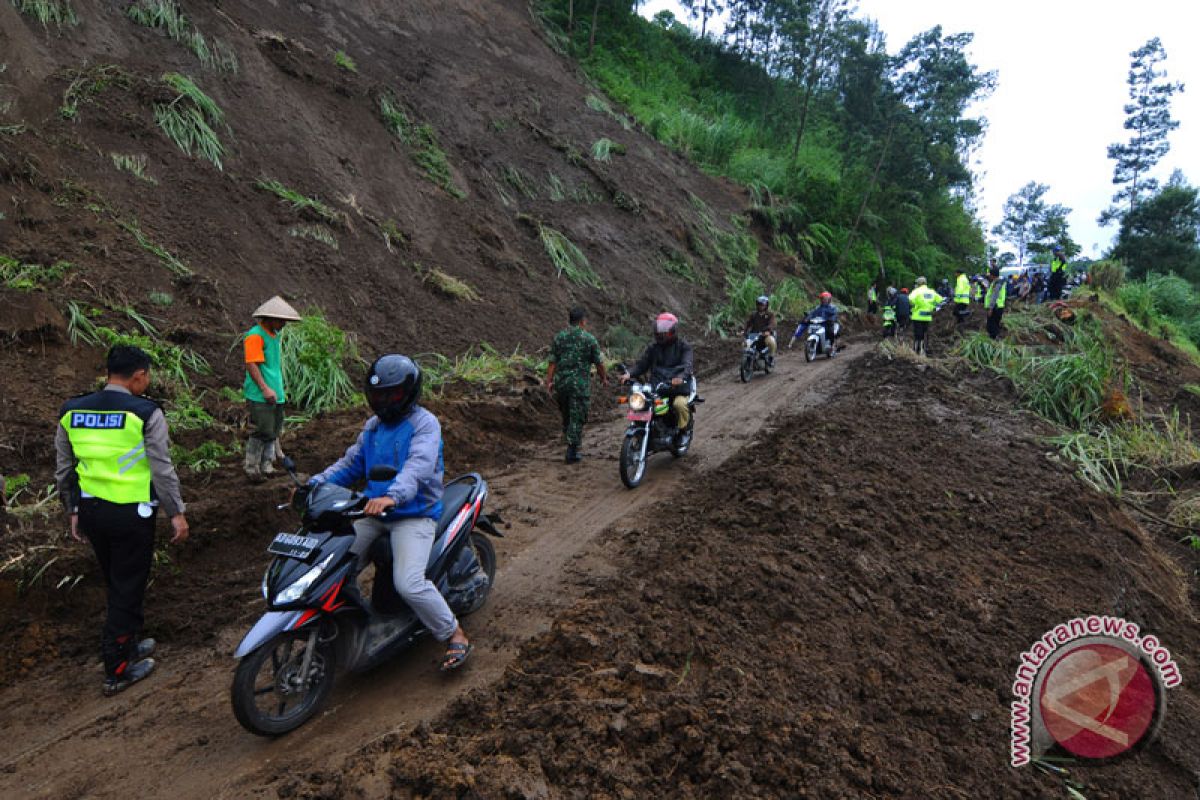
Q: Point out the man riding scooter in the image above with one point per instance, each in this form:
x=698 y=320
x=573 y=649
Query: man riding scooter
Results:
x=762 y=321
x=405 y=436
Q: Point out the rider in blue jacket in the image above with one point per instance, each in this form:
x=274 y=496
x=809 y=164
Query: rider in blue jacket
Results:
x=405 y=436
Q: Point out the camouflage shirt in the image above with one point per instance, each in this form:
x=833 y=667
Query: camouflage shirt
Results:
x=574 y=351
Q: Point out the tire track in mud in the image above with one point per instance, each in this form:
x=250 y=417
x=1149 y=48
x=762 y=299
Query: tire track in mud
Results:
x=176 y=736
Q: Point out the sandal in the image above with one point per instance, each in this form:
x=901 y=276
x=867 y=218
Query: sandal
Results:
x=456 y=655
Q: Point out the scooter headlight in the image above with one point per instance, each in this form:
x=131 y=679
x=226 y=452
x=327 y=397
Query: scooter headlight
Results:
x=265 y=583
x=637 y=401
x=294 y=592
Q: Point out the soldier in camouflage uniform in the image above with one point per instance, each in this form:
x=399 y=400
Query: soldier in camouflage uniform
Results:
x=569 y=378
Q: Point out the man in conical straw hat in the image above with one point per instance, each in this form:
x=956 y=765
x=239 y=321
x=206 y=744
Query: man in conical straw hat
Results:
x=263 y=387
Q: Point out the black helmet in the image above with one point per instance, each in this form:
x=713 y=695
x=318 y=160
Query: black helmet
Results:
x=393 y=387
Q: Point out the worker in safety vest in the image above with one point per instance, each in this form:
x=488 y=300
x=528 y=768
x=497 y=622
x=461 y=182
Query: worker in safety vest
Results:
x=872 y=299
x=924 y=302
x=993 y=304
x=113 y=471
x=1058 y=273
x=962 y=296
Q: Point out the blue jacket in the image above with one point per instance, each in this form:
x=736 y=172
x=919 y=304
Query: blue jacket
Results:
x=413 y=446
x=824 y=312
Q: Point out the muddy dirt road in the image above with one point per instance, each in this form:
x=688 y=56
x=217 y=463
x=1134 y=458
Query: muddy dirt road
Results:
x=176 y=736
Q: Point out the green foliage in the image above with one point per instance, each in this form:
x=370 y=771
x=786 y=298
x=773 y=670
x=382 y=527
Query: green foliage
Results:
x=316 y=356
x=163 y=299
x=191 y=119
x=134 y=165
x=567 y=258
x=421 y=142
x=166 y=16
x=47 y=12
x=186 y=413
x=679 y=265
x=483 y=366
x=447 y=284
x=789 y=301
x=518 y=180
x=344 y=61
x=392 y=235
x=26 y=277
x=1104 y=456
x=597 y=103
x=315 y=232
x=622 y=344
x=1067 y=385
x=165 y=256
x=204 y=458
x=602 y=149
x=1107 y=275
x=737 y=251
x=88 y=83
x=298 y=201
x=173 y=364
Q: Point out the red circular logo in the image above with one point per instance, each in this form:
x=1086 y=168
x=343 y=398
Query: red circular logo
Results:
x=1098 y=700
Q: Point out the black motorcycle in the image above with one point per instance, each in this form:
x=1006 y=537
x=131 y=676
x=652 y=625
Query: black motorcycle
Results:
x=653 y=428
x=756 y=357
x=317 y=618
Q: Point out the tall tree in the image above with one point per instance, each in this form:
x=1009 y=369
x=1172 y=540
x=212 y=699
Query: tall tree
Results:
x=1148 y=118
x=1024 y=211
x=703 y=10
x=1163 y=233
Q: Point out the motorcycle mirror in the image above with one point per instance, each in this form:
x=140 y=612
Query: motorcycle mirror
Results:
x=382 y=472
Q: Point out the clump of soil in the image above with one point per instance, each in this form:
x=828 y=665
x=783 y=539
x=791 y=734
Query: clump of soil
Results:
x=837 y=612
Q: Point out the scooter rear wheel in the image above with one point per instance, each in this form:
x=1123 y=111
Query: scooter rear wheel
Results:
x=487 y=562
x=270 y=697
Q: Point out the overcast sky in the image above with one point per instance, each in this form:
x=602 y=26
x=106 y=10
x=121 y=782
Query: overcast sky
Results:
x=1062 y=66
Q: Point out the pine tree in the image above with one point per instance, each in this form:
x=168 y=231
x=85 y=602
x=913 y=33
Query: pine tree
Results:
x=1148 y=116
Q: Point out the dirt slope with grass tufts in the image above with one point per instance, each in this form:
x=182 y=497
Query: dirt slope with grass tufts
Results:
x=406 y=168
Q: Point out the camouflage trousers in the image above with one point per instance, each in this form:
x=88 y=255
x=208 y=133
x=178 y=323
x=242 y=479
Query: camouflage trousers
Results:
x=573 y=405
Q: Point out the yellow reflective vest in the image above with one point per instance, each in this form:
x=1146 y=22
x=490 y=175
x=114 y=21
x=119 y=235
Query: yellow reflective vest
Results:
x=962 y=289
x=105 y=430
x=924 y=301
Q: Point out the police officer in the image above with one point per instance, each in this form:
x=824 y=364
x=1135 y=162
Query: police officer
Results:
x=569 y=377
x=1058 y=273
x=924 y=302
x=114 y=469
x=997 y=296
x=962 y=296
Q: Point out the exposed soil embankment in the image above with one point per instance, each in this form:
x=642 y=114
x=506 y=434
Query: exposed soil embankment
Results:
x=837 y=612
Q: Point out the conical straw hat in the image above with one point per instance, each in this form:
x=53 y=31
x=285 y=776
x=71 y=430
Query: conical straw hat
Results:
x=277 y=308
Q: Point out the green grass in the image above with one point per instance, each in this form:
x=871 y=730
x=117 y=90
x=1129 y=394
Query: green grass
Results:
x=86 y=84
x=567 y=258
x=191 y=119
x=316 y=356
x=26 y=277
x=603 y=149
x=344 y=61
x=165 y=15
x=482 y=367
x=679 y=265
x=185 y=413
x=48 y=12
x=622 y=344
x=518 y=180
x=173 y=365
x=788 y=301
x=421 y=142
x=134 y=165
x=736 y=251
x=317 y=233
x=298 y=201
x=1105 y=456
x=165 y=256
x=162 y=299
x=448 y=284
x=204 y=458
x=15 y=129
x=393 y=237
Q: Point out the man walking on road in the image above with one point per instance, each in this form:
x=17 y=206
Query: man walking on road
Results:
x=113 y=470
x=1058 y=274
x=924 y=302
x=569 y=377
x=263 y=387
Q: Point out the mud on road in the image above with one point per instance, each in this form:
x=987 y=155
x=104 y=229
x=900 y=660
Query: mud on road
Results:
x=175 y=735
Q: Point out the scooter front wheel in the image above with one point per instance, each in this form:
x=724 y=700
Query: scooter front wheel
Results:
x=633 y=466
x=810 y=350
x=270 y=695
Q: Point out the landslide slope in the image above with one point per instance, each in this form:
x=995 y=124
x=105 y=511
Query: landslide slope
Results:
x=473 y=82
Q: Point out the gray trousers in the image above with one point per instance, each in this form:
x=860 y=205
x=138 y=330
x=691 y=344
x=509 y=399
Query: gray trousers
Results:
x=412 y=539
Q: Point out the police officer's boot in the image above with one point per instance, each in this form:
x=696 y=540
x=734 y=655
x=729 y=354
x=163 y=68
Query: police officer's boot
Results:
x=573 y=456
x=267 y=465
x=254 y=456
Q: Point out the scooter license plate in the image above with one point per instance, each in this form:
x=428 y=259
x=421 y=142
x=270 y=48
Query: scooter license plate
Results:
x=293 y=545
x=638 y=416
